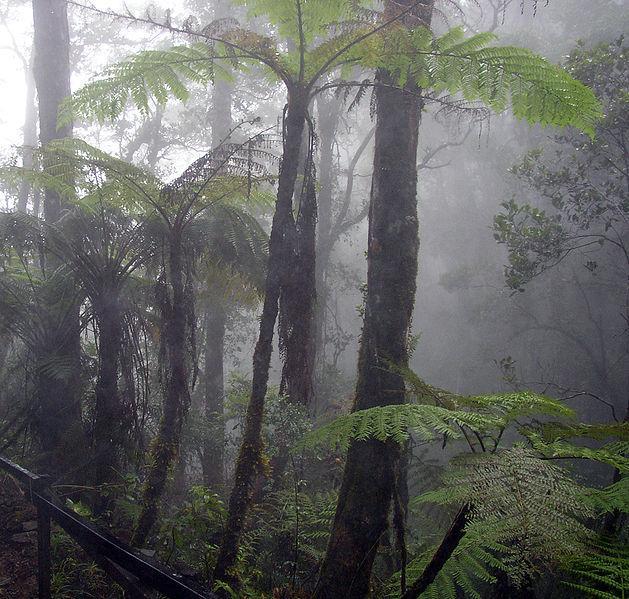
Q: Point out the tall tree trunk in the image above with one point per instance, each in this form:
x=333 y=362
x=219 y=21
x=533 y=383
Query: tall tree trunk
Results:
x=212 y=461
x=250 y=454
x=109 y=425
x=213 y=457
x=51 y=68
x=361 y=516
x=60 y=427
x=165 y=446
x=297 y=307
x=29 y=135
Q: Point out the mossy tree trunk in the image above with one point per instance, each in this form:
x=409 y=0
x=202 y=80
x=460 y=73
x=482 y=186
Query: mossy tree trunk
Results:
x=361 y=518
x=298 y=299
x=298 y=296
x=250 y=456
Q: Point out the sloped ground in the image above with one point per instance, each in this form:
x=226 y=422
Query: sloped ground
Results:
x=18 y=543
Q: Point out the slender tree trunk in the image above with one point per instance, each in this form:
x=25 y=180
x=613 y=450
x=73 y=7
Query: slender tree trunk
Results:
x=29 y=135
x=109 y=425
x=165 y=446
x=250 y=454
x=212 y=462
x=221 y=113
x=59 y=422
x=361 y=517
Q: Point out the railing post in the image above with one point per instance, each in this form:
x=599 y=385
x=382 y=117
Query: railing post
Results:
x=44 y=566
x=44 y=560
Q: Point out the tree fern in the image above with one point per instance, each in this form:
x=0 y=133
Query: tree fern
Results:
x=508 y=405
x=337 y=35
x=470 y=570
x=615 y=497
x=554 y=431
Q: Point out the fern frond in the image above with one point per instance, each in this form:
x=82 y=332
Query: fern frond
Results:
x=615 y=497
x=395 y=423
x=497 y=76
x=508 y=405
x=554 y=431
x=601 y=572
x=615 y=454
x=151 y=75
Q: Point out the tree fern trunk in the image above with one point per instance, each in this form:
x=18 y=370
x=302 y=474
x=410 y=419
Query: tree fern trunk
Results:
x=250 y=454
x=165 y=446
x=214 y=394
x=298 y=298
x=109 y=429
x=361 y=517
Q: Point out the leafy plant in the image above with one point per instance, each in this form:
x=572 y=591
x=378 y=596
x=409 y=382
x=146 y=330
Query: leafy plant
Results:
x=189 y=536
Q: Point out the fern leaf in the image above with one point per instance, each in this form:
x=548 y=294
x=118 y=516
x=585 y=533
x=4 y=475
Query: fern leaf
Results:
x=149 y=75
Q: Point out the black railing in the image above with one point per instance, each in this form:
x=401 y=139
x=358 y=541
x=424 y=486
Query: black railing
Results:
x=131 y=570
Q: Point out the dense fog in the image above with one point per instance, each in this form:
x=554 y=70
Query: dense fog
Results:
x=303 y=298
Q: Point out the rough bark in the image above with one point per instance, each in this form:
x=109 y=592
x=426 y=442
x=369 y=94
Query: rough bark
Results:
x=212 y=461
x=250 y=453
x=165 y=446
x=298 y=297
x=361 y=517
x=58 y=422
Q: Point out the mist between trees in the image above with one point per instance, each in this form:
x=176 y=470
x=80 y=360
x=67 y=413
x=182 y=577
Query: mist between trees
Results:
x=321 y=299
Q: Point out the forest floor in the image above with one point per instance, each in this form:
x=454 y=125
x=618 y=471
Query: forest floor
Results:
x=18 y=543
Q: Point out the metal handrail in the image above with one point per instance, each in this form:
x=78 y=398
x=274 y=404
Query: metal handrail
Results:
x=108 y=550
